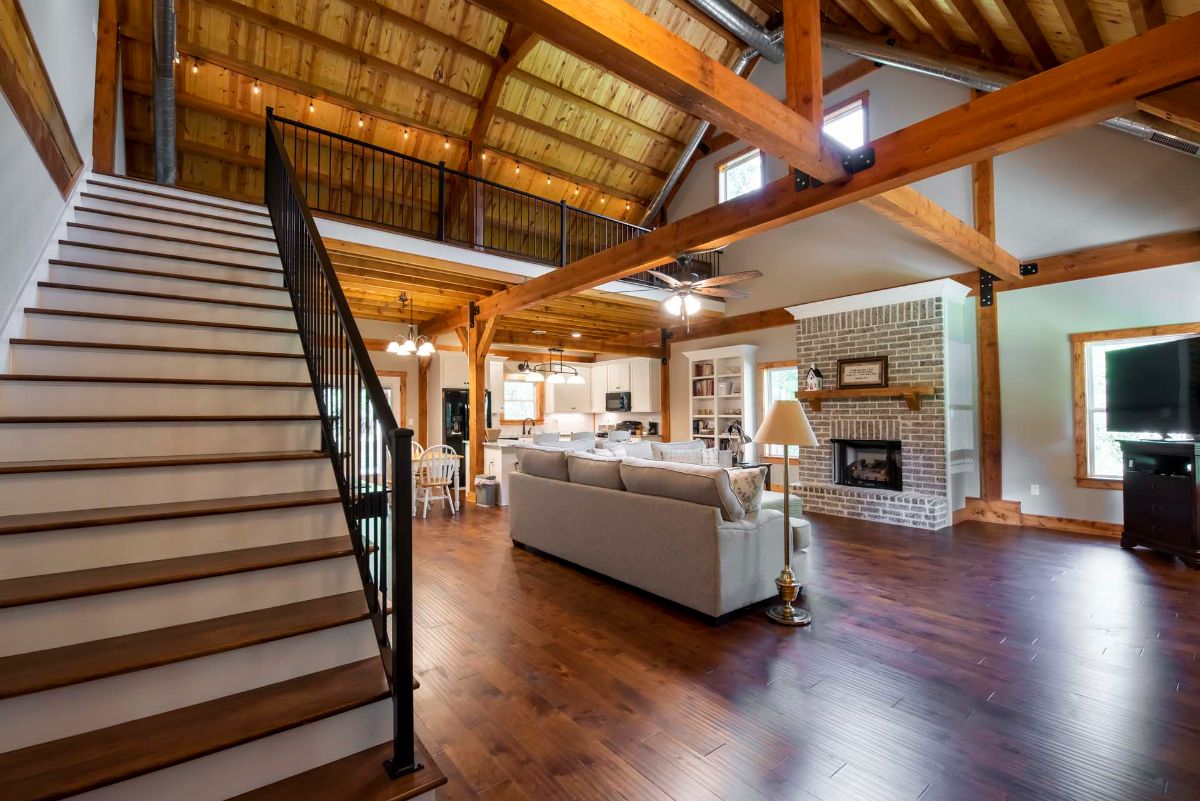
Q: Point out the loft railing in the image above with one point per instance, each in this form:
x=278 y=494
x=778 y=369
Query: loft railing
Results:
x=371 y=454
x=350 y=178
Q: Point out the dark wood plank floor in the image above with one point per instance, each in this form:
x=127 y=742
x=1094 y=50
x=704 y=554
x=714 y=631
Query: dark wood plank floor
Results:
x=982 y=663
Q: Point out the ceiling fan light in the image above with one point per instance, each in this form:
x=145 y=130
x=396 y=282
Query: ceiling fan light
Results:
x=673 y=304
x=691 y=303
x=425 y=348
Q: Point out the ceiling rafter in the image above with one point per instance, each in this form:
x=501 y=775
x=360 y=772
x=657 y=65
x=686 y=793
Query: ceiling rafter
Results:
x=985 y=35
x=1146 y=14
x=1025 y=24
x=517 y=44
x=442 y=38
x=863 y=15
x=889 y=12
x=1180 y=105
x=1080 y=24
x=607 y=154
x=939 y=28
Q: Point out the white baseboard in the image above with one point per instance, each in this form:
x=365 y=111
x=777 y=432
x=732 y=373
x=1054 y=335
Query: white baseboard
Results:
x=13 y=319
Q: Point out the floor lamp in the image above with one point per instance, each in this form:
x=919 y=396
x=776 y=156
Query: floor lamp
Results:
x=787 y=425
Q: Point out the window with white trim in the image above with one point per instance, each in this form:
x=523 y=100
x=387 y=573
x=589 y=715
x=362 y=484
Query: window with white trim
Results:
x=739 y=175
x=846 y=123
x=779 y=381
x=520 y=401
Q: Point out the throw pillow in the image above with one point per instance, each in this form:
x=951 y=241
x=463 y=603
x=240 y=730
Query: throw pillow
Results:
x=748 y=484
x=542 y=461
x=685 y=482
x=594 y=470
x=660 y=448
x=613 y=449
x=684 y=457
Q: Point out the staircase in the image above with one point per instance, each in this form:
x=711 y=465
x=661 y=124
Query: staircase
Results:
x=182 y=614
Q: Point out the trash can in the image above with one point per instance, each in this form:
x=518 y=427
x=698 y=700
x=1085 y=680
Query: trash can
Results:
x=486 y=488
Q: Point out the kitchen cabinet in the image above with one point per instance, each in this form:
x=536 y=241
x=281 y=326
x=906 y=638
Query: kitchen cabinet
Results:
x=618 y=377
x=571 y=397
x=638 y=377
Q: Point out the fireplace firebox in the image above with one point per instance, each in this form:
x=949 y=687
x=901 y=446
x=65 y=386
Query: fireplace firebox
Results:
x=874 y=463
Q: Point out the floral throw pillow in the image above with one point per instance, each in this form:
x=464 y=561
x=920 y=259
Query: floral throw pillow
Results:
x=748 y=484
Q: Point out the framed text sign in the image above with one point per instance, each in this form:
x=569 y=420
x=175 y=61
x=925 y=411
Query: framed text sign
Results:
x=866 y=372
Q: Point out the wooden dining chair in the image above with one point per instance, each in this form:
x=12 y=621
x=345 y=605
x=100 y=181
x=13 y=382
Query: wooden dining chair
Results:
x=435 y=474
x=417 y=450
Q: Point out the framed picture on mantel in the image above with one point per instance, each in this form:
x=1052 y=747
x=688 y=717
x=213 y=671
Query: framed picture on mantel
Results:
x=867 y=372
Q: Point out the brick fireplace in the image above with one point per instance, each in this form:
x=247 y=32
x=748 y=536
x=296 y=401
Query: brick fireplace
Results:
x=899 y=468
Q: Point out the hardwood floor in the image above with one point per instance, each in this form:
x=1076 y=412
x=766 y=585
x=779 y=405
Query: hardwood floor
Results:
x=986 y=662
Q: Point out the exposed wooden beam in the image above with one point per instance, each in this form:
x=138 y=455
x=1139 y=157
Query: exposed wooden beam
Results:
x=1081 y=26
x=985 y=35
x=1081 y=92
x=942 y=33
x=200 y=149
x=889 y=12
x=802 y=59
x=991 y=488
x=577 y=143
x=188 y=101
x=1146 y=14
x=1021 y=19
x=914 y=211
x=104 y=116
x=393 y=17
x=707 y=21
x=422 y=399
x=848 y=75
x=1180 y=105
x=517 y=43
x=834 y=13
x=569 y=177
x=863 y=15
x=350 y=52
x=617 y=37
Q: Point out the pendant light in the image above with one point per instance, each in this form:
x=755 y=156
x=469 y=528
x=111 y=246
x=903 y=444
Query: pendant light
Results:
x=411 y=343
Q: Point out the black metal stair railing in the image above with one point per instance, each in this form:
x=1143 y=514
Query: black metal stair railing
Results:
x=364 y=182
x=370 y=452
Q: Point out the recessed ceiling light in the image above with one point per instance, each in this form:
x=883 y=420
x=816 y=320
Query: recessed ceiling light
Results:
x=539 y=331
x=576 y=335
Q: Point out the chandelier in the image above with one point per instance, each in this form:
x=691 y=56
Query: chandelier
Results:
x=411 y=342
x=550 y=372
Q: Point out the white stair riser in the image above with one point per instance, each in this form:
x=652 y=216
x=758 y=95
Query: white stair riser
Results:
x=64 y=274
x=65 y=398
x=203 y=233
x=57 y=623
x=126 y=332
x=164 y=264
x=83 y=300
x=234 y=771
x=137 y=190
x=68 y=711
x=58 y=360
x=37 y=553
x=187 y=248
x=28 y=493
x=29 y=442
x=226 y=222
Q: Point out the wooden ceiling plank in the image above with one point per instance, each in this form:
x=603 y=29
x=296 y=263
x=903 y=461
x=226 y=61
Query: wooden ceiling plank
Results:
x=985 y=35
x=348 y=51
x=1180 y=105
x=834 y=13
x=1080 y=24
x=184 y=100
x=889 y=12
x=802 y=59
x=1081 y=92
x=862 y=14
x=1146 y=14
x=617 y=37
x=1022 y=20
x=936 y=20
x=708 y=22
x=577 y=143
x=569 y=177
x=442 y=38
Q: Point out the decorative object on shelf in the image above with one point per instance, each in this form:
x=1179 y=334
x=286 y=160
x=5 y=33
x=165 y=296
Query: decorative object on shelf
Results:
x=812 y=381
x=412 y=342
x=738 y=440
x=550 y=372
x=862 y=373
x=787 y=425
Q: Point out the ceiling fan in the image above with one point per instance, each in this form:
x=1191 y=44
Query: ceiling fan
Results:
x=683 y=300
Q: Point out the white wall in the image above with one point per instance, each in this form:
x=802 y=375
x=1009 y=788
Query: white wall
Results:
x=63 y=33
x=1035 y=376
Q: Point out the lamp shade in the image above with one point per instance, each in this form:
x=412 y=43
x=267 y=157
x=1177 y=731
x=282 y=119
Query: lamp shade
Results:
x=786 y=424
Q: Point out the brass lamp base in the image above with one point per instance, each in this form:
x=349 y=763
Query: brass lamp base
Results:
x=789 y=590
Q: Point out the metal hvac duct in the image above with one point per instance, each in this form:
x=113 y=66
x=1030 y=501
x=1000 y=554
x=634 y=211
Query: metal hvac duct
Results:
x=164 y=92
x=767 y=43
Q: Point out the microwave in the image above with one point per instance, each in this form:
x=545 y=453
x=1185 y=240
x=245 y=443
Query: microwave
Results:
x=617 y=402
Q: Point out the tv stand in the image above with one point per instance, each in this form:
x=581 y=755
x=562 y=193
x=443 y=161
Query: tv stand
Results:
x=1162 y=498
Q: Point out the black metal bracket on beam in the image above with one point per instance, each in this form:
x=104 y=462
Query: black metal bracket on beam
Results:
x=859 y=160
x=805 y=181
x=665 y=335
x=1029 y=268
x=987 y=295
x=472 y=311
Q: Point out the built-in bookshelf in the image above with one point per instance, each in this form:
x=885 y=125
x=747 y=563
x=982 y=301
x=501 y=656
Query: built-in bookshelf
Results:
x=721 y=383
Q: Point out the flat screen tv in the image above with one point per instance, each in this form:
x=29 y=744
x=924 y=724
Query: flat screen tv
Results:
x=1155 y=388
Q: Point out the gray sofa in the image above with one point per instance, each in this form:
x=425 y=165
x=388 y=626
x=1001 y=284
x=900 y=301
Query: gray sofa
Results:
x=675 y=532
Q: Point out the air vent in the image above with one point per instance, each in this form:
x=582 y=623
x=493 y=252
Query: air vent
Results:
x=1182 y=145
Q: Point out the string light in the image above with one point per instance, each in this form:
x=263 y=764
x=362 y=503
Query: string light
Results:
x=195 y=67
x=177 y=57
x=405 y=134
x=518 y=168
x=626 y=205
x=361 y=123
x=577 y=191
x=547 y=180
x=255 y=89
x=483 y=156
x=446 y=143
x=603 y=200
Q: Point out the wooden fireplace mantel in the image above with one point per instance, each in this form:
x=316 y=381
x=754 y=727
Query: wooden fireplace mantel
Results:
x=910 y=393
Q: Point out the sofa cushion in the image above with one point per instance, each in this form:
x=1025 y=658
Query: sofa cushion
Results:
x=543 y=460
x=685 y=482
x=748 y=484
x=682 y=456
x=657 y=449
x=595 y=470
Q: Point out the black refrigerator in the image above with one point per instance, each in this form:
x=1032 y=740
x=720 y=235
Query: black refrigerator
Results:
x=456 y=422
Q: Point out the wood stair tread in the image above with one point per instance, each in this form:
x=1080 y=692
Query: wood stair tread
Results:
x=139 y=293
x=114 y=515
x=151 y=189
x=131 y=462
x=73 y=664
x=127 y=202
x=120 y=215
x=202 y=279
x=68 y=343
x=118 y=379
x=134 y=318
x=58 y=769
x=116 y=578
x=157 y=255
x=177 y=240
x=358 y=777
x=156 y=418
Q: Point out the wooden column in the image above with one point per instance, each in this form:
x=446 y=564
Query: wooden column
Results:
x=104 y=117
x=664 y=427
x=802 y=54
x=987 y=343
x=479 y=339
x=423 y=400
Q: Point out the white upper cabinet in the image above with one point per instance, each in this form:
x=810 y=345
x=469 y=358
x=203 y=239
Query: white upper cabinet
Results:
x=638 y=377
x=571 y=397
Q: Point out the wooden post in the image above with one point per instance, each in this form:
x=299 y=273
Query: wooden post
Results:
x=802 y=54
x=104 y=117
x=664 y=378
x=479 y=339
x=988 y=347
x=423 y=400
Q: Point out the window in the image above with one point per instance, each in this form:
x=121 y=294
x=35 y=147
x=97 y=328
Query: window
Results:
x=779 y=380
x=522 y=399
x=739 y=175
x=1098 y=450
x=846 y=123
